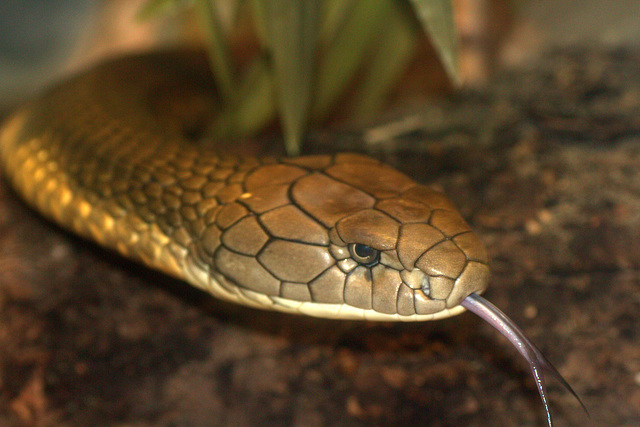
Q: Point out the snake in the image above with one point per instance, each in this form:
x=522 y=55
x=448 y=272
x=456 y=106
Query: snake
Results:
x=340 y=236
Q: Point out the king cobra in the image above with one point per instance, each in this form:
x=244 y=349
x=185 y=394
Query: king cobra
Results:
x=337 y=236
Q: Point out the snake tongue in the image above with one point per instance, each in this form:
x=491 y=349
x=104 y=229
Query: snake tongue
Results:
x=537 y=361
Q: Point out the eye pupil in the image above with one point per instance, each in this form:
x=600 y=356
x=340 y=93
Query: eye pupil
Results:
x=363 y=251
x=364 y=254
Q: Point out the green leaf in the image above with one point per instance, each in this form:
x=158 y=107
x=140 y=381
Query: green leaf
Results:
x=255 y=106
x=335 y=13
x=260 y=19
x=223 y=70
x=396 y=45
x=346 y=54
x=292 y=29
x=436 y=17
x=155 y=8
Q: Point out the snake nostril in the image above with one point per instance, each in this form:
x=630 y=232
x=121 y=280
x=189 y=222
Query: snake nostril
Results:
x=426 y=288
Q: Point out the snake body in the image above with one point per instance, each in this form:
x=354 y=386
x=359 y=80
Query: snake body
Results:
x=92 y=155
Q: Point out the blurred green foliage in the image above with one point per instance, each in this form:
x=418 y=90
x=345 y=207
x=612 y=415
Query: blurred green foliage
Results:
x=310 y=53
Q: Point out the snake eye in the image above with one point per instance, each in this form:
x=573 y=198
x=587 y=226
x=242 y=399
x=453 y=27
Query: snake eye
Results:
x=364 y=254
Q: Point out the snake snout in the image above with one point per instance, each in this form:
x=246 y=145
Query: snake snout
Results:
x=448 y=270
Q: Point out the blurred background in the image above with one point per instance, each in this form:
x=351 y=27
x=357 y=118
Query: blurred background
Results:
x=42 y=39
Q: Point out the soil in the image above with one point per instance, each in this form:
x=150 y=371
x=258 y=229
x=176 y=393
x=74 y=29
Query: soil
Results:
x=545 y=164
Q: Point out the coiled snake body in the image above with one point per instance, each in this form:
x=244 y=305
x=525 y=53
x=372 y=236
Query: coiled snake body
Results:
x=340 y=236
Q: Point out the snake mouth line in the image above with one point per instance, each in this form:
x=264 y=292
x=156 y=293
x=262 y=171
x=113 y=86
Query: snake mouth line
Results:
x=537 y=361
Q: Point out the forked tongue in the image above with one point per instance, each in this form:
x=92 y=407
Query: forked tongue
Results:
x=538 y=363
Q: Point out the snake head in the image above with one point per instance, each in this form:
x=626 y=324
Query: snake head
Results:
x=380 y=245
x=346 y=236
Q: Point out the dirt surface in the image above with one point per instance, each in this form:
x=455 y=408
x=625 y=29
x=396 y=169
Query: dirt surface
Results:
x=545 y=165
